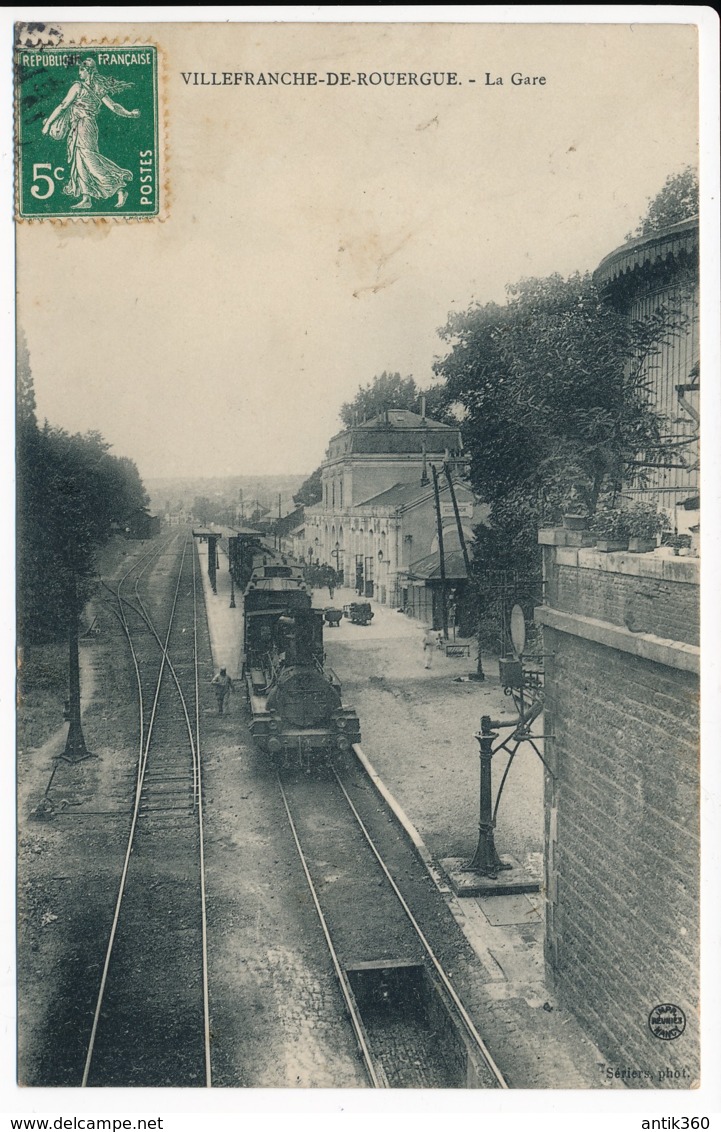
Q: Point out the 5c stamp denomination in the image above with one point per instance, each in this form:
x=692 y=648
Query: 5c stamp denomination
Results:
x=87 y=131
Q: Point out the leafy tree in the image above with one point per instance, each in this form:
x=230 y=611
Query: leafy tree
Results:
x=130 y=491
x=311 y=490
x=555 y=388
x=391 y=391
x=25 y=417
x=677 y=200
x=72 y=494
x=203 y=510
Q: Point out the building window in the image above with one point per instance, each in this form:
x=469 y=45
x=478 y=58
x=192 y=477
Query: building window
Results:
x=340 y=488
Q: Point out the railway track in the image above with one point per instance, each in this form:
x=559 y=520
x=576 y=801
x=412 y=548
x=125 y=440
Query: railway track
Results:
x=149 y=1022
x=151 y=1017
x=411 y=1028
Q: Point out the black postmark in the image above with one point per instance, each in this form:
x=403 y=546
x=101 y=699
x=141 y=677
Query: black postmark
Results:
x=667 y=1022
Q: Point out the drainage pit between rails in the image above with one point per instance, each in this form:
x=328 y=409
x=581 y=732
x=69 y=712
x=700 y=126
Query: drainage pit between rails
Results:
x=412 y=1028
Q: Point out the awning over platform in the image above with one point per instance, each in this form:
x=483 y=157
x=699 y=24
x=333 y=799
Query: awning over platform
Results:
x=428 y=569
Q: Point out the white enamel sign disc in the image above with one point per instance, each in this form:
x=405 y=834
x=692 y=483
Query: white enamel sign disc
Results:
x=518 y=630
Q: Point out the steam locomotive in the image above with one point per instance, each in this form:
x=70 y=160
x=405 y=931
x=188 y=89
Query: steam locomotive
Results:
x=295 y=701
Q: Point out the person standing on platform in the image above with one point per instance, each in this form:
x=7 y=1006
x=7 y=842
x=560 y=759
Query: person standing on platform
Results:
x=223 y=686
x=429 y=643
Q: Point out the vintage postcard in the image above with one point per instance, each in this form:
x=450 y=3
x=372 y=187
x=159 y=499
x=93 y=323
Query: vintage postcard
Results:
x=358 y=408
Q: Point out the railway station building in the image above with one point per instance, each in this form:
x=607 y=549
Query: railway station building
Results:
x=377 y=523
x=290 y=530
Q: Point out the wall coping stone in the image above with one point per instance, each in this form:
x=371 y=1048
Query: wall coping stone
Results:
x=552 y=536
x=663 y=567
x=660 y=650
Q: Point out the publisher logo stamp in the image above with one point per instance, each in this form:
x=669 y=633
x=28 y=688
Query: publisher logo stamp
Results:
x=667 y=1022
x=87 y=131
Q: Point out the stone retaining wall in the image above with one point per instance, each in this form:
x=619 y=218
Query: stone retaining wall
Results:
x=622 y=851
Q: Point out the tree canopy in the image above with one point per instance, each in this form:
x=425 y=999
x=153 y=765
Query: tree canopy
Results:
x=25 y=390
x=72 y=493
x=391 y=391
x=555 y=387
x=678 y=200
x=310 y=491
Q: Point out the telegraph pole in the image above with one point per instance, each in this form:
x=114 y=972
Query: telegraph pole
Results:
x=461 y=536
x=479 y=674
x=440 y=552
x=75 y=749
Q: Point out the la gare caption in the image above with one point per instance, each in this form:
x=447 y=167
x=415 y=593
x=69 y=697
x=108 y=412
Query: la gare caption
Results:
x=517 y=79
x=346 y=78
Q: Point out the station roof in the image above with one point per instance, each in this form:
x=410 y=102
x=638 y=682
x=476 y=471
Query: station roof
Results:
x=397 y=496
x=289 y=522
x=675 y=243
x=405 y=494
x=402 y=418
x=429 y=568
x=396 y=431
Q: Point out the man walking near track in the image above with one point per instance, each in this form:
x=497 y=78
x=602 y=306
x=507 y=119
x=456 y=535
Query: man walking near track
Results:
x=429 y=643
x=223 y=686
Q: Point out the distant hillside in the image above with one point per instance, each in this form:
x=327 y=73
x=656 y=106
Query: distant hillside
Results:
x=178 y=493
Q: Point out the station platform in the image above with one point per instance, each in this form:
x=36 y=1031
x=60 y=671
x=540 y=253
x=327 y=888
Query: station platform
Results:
x=225 y=624
x=418 y=747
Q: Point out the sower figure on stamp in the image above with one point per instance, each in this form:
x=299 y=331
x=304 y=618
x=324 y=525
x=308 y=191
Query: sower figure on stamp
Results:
x=223 y=686
x=91 y=174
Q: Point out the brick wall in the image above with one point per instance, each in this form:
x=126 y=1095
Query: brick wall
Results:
x=622 y=811
x=658 y=595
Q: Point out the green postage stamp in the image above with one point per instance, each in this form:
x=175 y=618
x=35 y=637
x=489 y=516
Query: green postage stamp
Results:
x=87 y=129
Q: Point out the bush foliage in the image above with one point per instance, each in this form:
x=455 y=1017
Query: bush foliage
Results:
x=555 y=387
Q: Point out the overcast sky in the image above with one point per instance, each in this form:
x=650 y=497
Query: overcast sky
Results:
x=317 y=237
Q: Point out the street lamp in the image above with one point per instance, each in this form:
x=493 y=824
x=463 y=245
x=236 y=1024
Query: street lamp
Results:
x=336 y=554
